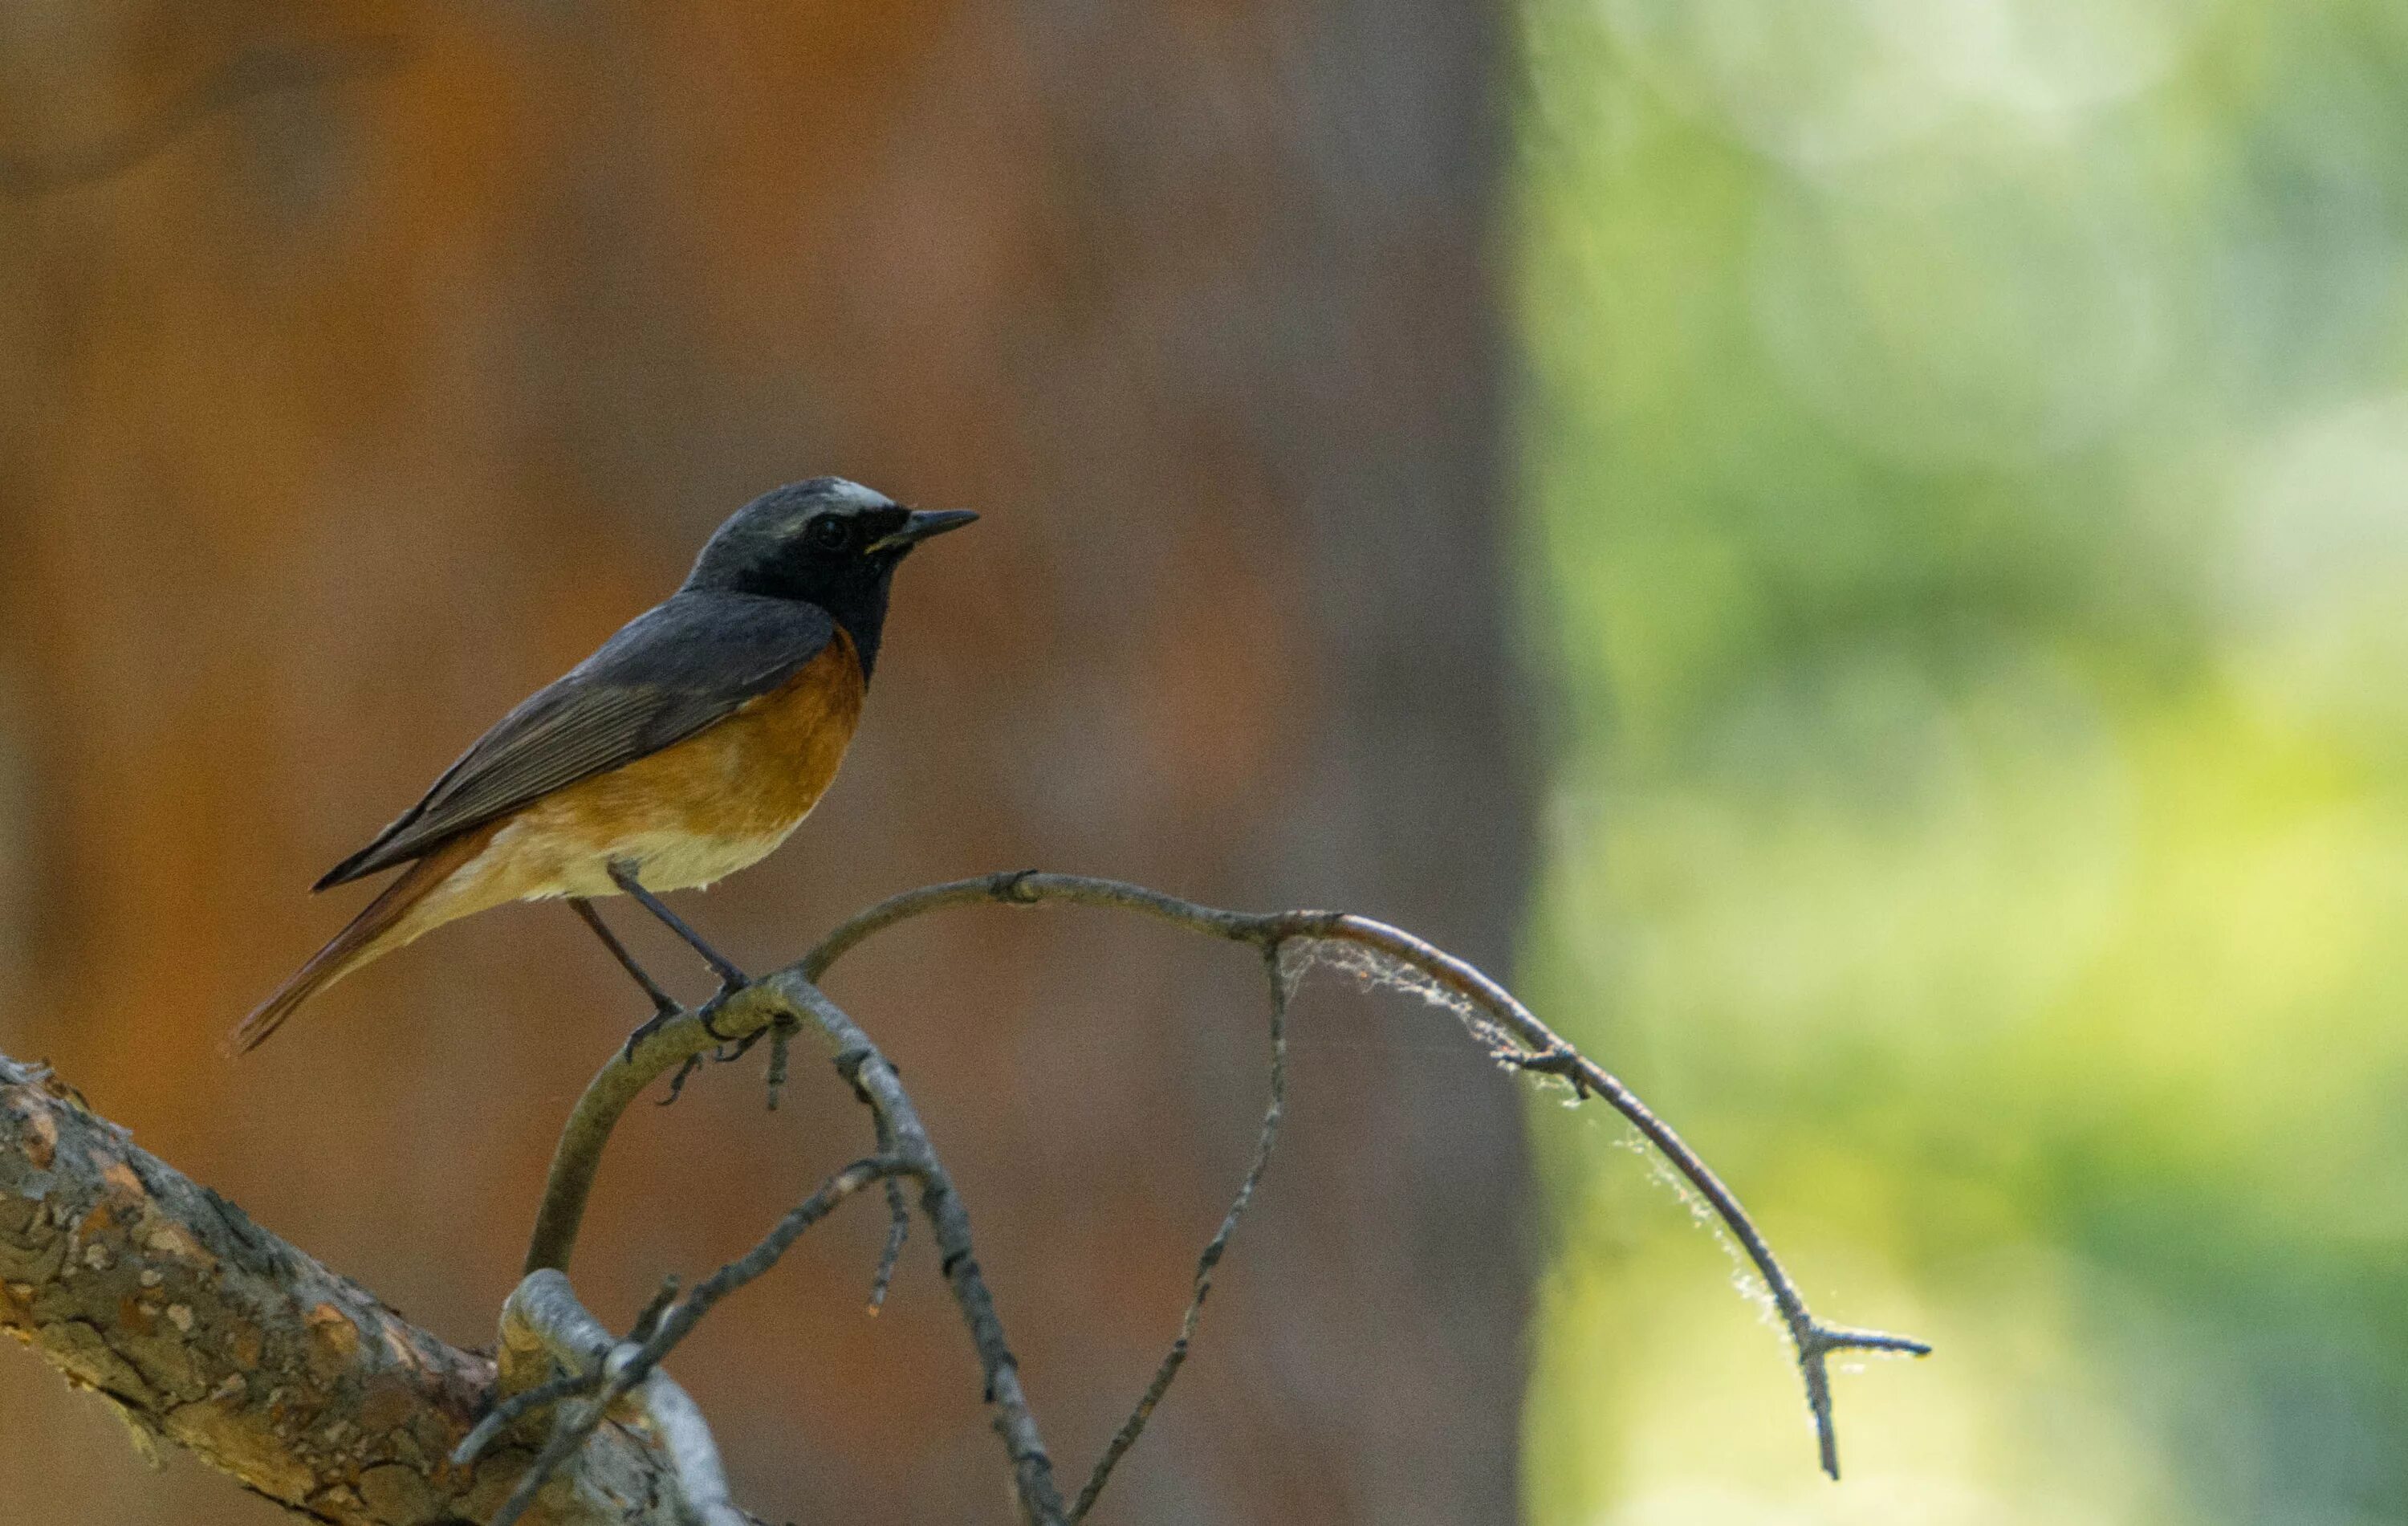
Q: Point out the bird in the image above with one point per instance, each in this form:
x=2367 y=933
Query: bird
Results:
x=688 y=746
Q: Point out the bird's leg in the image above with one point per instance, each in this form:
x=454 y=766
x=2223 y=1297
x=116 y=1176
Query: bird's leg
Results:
x=731 y=979
x=664 y=1003
x=665 y=1006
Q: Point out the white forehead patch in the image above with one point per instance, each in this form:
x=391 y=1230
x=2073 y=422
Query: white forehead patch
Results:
x=853 y=498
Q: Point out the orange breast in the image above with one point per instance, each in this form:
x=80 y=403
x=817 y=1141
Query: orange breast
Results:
x=685 y=816
x=754 y=774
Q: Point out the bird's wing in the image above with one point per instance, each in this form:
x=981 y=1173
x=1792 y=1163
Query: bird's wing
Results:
x=668 y=673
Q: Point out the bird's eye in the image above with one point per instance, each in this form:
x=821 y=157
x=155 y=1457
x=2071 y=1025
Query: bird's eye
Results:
x=830 y=532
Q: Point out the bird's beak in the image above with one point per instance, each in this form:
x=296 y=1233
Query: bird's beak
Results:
x=922 y=523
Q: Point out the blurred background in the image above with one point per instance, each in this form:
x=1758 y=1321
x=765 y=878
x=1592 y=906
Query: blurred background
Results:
x=1860 y=548
x=1968 y=453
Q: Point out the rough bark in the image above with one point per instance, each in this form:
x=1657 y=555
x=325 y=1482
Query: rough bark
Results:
x=199 y=1327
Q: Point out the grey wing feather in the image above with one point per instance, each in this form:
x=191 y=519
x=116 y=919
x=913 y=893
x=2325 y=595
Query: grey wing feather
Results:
x=668 y=673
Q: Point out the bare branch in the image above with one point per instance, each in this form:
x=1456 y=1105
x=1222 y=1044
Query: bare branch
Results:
x=859 y=1061
x=1533 y=1046
x=100 y=1244
x=1525 y=1042
x=786 y=997
x=1125 y=1438
x=1512 y=1033
x=1543 y=1052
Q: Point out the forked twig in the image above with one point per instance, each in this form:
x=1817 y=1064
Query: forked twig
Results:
x=1512 y=1033
x=627 y=1365
x=1533 y=1046
x=517 y=1407
x=770 y=1005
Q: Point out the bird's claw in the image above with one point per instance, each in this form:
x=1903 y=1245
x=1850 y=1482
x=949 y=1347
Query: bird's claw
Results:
x=646 y=1028
x=703 y=1014
x=711 y=1008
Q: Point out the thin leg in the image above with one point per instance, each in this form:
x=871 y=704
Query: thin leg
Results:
x=731 y=979
x=665 y=1006
x=662 y=1003
x=625 y=878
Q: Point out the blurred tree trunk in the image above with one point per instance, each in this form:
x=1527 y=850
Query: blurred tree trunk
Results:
x=370 y=401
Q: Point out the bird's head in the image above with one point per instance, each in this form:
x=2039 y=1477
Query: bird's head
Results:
x=825 y=542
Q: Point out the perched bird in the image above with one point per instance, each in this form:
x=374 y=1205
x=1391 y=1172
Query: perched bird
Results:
x=688 y=747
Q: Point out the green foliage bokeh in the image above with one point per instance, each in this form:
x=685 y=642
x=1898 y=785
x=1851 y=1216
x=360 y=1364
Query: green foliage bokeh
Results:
x=1968 y=449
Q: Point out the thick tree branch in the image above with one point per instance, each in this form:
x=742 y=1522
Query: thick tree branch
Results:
x=199 y=1327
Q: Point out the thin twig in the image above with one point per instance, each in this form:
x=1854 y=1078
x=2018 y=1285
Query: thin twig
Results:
x=1540 y=1049
x=1533 y=1046
x=898 y=1213
x=517 y=1407
x=1545 y=1052
x=899 y=1218
x=872 y=1076
x=630 y=1363
x=1132 y=1428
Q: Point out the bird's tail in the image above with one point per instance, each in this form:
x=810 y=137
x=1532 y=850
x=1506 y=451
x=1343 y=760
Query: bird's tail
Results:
x=382 y=925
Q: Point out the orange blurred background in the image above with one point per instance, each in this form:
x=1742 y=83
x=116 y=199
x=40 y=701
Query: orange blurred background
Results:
x=425 y=350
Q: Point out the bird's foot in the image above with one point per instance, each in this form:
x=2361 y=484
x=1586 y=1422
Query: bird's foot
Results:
x=649 y=1027
x=722 y=1055
x=677 y=1081
x=733 y=980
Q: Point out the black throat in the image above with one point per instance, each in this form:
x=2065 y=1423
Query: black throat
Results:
x=857 y=602
x=860 y=611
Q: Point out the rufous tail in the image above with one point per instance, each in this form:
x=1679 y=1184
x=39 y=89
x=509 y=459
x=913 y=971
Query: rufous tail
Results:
x=381 y=926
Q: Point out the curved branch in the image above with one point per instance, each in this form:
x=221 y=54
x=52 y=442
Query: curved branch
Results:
x=770 y=1005
x=1516 y=1035
x=1534 y=1047
x=545 y=1327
